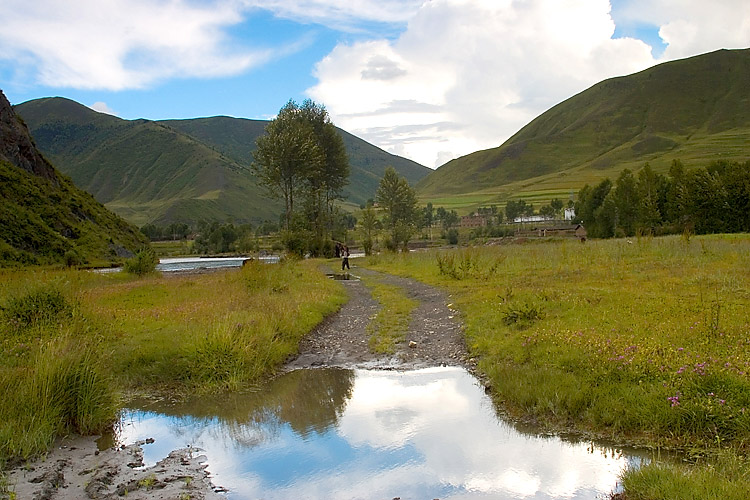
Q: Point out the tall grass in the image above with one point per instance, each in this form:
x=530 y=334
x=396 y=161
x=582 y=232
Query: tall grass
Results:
x=65 y=389
x=195 y=333
x=643 y=340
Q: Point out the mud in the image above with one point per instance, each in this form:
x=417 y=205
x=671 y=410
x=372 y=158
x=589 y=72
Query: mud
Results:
x=434 y=338
x=76 y=469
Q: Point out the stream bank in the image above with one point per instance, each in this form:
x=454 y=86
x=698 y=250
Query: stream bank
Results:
x=76 y=467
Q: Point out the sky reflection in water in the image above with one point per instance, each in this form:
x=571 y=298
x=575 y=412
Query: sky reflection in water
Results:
x=343 y=434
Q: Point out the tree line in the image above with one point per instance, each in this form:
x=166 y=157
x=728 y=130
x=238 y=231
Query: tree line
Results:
x=714 y=199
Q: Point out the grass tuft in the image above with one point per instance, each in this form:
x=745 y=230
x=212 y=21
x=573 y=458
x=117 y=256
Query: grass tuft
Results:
x=39 y=307
x=64 y=390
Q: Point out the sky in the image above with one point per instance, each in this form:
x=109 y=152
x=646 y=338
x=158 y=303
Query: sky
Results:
x=430 y=80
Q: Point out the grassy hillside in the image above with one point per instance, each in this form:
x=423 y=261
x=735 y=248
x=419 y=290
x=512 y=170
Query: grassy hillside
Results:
x=692 y=109
x=44 y=218
x=177 y=170
x=143 y=170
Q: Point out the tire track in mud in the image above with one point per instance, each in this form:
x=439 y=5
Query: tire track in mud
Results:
x=435 y=331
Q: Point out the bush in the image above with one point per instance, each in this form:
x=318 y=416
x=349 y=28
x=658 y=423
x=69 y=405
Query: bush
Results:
x=73 y=258
x=143 y=263
x=452 y=236
x=37 y=308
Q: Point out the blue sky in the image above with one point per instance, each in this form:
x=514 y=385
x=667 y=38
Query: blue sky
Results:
x=430 y=80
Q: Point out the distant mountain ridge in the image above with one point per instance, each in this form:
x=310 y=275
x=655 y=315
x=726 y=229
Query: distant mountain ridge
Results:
x=44 y=218
x=694 y=109
x=179 y=170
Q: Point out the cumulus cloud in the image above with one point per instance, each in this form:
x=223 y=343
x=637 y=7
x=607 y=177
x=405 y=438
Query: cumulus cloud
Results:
x=102 y=107
x=121 y=44
x=487 y=67
x=691 y=27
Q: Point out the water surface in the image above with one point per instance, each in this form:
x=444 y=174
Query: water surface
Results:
x=345 y=434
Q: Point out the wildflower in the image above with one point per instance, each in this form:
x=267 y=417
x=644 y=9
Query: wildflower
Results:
x=675 y=400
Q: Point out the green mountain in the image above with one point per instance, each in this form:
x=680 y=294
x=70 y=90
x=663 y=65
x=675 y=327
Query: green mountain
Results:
x=44 y=218
x=178 y=170
x=695 y=110
x=235 y=138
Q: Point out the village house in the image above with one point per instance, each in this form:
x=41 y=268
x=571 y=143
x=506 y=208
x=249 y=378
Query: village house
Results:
x=473 y=220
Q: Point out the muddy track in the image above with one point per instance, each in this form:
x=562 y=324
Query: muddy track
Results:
x=75 y=469
x=434 y=338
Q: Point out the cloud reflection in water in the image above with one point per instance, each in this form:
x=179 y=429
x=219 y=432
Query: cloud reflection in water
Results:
x=342 y=434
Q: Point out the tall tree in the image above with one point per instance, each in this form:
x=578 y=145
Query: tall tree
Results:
x=626 y=202
x=327 y=181
x=399 y=202
x=650 y=187
x=589 y=200
x=302 y=156
x=368 y=224
x=285 y=157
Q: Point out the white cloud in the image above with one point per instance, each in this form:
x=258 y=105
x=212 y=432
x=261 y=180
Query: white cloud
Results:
x=102 y=107
x=348 y=15
x=691 y=27
x=121 y=44
x=467 y=74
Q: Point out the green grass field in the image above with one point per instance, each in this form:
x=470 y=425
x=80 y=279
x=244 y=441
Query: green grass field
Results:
x=75 y=342
x=640 y=342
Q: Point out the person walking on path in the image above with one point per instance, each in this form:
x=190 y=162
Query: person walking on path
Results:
x=345 y=257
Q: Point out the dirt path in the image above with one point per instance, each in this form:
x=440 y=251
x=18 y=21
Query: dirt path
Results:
x=434 y=337
x=75 y=469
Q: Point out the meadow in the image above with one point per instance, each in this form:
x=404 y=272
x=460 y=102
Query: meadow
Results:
x=643 y=341
x=76 y=344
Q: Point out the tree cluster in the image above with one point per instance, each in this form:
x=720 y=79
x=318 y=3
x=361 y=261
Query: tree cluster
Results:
x=216 y=238
x=175 y=231
x=302 y=160
x=399 y=203
x=715 y=199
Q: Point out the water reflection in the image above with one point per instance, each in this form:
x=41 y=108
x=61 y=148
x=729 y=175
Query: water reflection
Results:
x=342 y=434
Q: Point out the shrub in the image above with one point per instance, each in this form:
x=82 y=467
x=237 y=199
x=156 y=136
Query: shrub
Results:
x=36 y=308
x=522 y=315
x=466 y=265
x=452 y=236
x=143 y=263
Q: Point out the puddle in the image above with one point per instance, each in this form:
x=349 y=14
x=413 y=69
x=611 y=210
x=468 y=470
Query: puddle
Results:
x=346 y=434
x=343 y=276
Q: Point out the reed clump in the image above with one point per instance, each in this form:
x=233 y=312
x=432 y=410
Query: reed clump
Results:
x=63 y=390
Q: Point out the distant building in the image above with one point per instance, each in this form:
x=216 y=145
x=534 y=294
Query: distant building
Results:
x=532 y=218
x=570 y=214
x=473 y=220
